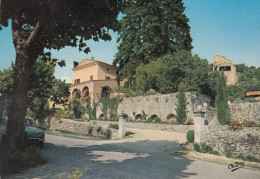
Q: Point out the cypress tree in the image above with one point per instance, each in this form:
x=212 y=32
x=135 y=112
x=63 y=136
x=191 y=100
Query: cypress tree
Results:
x=222 y=99
x=151 y=29
x=181 y=107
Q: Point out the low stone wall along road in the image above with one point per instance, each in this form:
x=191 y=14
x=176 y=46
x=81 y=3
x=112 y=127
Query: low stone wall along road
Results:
x=147 y=154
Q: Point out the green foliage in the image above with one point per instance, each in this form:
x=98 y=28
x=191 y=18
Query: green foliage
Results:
x=107 y=133
x=150 y=29
x=181 y=107
x=190 y=136
x=91 y=109
x=196 y=147
x=222 y=100
x=60 y=92
x=165 y=74
x=147 y=76
x=235 y=92
x=248 y=78
x=75 y=109
x=247 y=158
x=208 y=149
x=113 y=126
x=144 y=116
x=6 y=85
x=110 y=105
x=6 y=81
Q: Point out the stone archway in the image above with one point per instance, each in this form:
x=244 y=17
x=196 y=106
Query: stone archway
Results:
x=171 y=117
x=85 y=92
x=105 y=92
x=138 y=117
x=76 y=94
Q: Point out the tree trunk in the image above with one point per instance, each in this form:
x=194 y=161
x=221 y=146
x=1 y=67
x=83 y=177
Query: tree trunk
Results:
x=26 y=54
x=18 y=107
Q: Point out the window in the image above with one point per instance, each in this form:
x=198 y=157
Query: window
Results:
x=77 y=81
x=107 y=69
x=91 y=77
x=107 y=78
x=225 y=68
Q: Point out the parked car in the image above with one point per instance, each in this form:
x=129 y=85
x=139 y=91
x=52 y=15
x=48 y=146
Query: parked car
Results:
x=33 y=134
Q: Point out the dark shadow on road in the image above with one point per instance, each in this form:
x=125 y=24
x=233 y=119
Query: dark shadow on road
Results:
x=142 y=159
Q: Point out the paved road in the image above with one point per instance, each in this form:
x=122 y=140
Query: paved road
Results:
x=126 y=159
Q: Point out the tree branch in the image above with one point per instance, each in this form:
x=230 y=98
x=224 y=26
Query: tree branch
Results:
x=32 y=38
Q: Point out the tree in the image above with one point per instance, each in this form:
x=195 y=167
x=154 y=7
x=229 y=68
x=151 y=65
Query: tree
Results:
x=183 y=67
x=222 y=99
x=181 y=107
x=149 y=30
x=147 y=76
x=48 y=24
x=6 y=83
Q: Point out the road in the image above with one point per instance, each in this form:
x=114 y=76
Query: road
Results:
x=148 y=154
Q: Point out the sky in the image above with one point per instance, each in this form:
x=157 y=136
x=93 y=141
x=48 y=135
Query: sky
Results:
x=229 y=28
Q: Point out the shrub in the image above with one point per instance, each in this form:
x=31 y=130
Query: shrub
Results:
x=206 y=122
x=206 y=148
x=99 y=129
x=113 y=126
x=107 y=133
x=181 y=107
x=196 y=147
x=90 y=130
x=190 y=136
x=228 y=154
x=157 y=120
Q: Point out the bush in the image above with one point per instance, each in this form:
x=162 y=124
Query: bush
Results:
x=206 y=148
x=107 y=133
x=196 y=147
x=157 y=120
x=90 y=130
x=99 y=129
x=228 y=154
x=190 y=136
x=206 y=122
x=113 y=126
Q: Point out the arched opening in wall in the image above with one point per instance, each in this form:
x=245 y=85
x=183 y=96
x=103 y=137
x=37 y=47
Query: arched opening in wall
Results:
x=138 y=117
x=85 y=92
x=105 y=92
x=101 y=117
x=125 y=116
x=76 y=94
x=154 y=116
x=171 y=117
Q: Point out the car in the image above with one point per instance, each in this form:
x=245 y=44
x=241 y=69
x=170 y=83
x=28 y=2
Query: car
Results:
x=33 y=134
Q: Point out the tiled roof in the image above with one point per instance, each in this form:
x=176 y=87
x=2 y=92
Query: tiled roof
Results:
x=253 y=93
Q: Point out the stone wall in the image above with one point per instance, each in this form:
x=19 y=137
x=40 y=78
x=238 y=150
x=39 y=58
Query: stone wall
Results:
x=163 y=106
x=245 y=110
x=82 y=127
x=246 y=141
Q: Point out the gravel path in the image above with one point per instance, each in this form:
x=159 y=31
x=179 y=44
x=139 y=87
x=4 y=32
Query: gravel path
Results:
x=147 y=154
